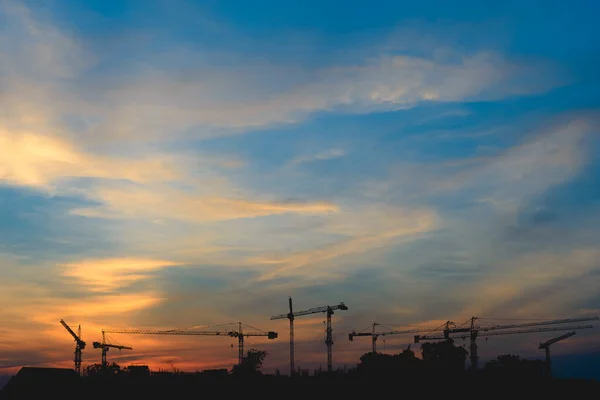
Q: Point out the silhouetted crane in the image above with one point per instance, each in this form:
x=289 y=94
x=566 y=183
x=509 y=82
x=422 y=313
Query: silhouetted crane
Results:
x=240 y=335
x=374 y=335
x=473 y=331
x=328 y=330
x=189 y=332
x=79 y=345
x=105 y=346
x=546 y=346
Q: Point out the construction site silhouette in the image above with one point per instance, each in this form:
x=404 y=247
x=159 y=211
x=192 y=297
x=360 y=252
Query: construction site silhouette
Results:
x=439 y=371
x=442 y=366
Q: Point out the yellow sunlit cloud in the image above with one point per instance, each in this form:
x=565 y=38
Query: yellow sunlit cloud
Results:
x=39 y=160
x=106 y=307
x=110 y=274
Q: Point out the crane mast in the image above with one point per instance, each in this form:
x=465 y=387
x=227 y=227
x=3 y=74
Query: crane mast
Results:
x=329 y=340
x=291 y=318
x=240 y=344
x=329 y=310
x=79 y=345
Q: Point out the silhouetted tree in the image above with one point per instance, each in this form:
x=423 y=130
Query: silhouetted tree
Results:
x=510 y=364
x=504 y=361
x=408 y=358
x=444 y=355
x=252 y=363
x=378 y=365
x=92 y=369
x=97 y=370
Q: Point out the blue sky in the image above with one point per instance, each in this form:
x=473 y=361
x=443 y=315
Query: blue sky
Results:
x=179 y=163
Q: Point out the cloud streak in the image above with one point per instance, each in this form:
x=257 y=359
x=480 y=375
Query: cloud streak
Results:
x=166 y=203
x=387 y=82
x=324 y=155
x=407 y=225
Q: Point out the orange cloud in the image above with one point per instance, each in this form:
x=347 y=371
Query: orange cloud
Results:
x=111 y=274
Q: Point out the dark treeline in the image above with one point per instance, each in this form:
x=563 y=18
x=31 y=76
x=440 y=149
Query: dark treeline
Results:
x=440 y=371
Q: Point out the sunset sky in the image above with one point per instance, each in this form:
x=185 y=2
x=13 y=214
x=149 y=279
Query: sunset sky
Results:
x=171 y=164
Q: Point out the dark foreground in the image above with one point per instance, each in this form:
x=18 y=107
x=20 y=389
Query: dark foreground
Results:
x=335 y=387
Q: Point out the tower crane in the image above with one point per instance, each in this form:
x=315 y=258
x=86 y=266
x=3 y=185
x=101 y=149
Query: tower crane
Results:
x=79 y=345
x=329 y=331
x=374 y=335
x=105 y=346
x=546 y=346
x=239 y=334
x=473 y=331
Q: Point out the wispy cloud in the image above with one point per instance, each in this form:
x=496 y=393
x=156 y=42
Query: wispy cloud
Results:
x=402 y=226
x=387 y=82
x=514 y=285
x=543 y=158
x=324 y=155
x=154 y=103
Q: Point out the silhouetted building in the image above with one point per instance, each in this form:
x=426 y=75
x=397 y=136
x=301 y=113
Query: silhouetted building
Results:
x=30 y=382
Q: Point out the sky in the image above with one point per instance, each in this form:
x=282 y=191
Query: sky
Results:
x=173 y=164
